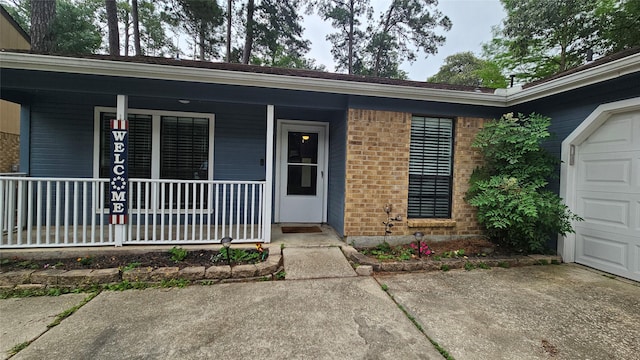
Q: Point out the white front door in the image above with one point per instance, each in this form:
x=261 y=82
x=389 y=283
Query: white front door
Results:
x=302 y=154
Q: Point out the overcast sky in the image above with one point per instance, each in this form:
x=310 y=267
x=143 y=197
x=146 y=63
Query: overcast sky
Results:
x=472 y=22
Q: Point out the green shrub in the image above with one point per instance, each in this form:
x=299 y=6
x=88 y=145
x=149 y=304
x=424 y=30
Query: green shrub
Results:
x=509 y=189
x=177 y=254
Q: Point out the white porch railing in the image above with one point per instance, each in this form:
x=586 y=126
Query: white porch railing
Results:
x=55 y=212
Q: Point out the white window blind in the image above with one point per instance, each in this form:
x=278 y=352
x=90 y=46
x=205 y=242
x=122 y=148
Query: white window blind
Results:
x=430 y=167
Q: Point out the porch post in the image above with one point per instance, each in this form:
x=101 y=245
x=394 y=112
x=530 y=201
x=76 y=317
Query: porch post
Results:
x=268 y=191
x=120 y=230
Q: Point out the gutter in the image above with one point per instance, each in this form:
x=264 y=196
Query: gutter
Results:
x=215 y=76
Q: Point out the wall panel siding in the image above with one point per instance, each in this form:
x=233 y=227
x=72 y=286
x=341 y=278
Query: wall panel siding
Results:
x=337 y=171
x=568 y=110
x=240 y=143
x=61 y=139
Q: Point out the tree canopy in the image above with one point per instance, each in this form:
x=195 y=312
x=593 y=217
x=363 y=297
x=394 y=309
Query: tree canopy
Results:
x=466 y=69
x=539 y=38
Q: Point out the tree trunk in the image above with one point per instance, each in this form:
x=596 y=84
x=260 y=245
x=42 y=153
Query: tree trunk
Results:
x=136 y=26
x=248 y=40
x=385 y=30
x=350 y=40
x=112 y=24
x=202 y=41
x=126 y=37
x=229 y=7
x=43 y=14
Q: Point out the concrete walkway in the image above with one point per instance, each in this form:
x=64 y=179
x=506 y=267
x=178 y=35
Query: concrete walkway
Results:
x=316 y=263
x=312 y=255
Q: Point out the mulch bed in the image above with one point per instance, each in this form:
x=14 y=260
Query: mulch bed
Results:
x=473 y=247
x=148 y=259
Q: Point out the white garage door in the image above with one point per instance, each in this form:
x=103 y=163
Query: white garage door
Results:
x=608 y=197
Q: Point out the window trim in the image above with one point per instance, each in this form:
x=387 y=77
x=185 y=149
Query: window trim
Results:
x=454 y=122
x=155 y=136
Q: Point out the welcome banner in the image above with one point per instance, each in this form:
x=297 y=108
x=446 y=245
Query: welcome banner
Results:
x=119 y=173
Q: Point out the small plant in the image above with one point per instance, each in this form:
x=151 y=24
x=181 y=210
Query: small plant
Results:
x=131 y=266
x=453 y=254
x=542 y=262
x=555 y=262
x=484 y=266
x=178 y=254
x=469 y=266
x=423 y=250
x=384 y=287
x=263 y=254
x=504 y=264
x=27 y=264
x=437 y=258
x=86 y=261
x=241 y=255
x=444 y=267
x=179 y=283
x=280 y=275
x=5 y=262
x=58 y=265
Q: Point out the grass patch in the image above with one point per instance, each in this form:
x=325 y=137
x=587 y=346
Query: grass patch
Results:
x=469 y=266
x=482 y=265
x=65 y=314
x=504 y=265
x=417 y=324
x=445 y=267
x=17 y=348
x=542 y=262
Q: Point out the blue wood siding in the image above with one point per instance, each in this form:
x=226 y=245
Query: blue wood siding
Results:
x=569 y=109
x=61 y=137
x=337 y=171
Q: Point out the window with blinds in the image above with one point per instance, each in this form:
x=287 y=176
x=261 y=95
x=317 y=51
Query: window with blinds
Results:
x=139 y=145
x=430 y=167
x=185 y=148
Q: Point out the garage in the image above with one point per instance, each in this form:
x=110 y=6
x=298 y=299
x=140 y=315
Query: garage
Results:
x=604 y=187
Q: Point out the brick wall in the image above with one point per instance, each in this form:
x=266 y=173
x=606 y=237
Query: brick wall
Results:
x=377 y=174
x=10 y=145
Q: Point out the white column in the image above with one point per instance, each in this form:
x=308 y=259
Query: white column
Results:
x=120 y=230
x=268 y=191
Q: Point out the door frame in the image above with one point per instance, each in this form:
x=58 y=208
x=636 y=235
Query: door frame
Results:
x=568 y=167
x=278 y=166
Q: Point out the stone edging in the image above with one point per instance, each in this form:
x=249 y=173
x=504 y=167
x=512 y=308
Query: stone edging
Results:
x=52 y=278
x=432 y=265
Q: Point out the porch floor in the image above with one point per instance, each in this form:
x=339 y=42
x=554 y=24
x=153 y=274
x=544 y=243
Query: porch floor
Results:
x=328 y=237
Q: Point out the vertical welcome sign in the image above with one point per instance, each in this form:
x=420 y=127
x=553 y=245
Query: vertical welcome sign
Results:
x=119 y=178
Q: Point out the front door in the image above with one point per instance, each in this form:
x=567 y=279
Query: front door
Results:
x=301 y=175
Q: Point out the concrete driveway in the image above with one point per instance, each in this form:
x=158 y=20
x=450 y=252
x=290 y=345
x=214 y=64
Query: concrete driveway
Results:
x=348 y=318
x=542 y=312
x=535 y=312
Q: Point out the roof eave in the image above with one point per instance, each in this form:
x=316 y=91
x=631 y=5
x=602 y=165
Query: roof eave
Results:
x=25 y=61
x=597 y=74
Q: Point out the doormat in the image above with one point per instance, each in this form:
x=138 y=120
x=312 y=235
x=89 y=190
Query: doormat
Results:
x=300 y=229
